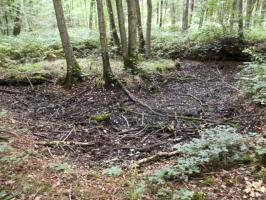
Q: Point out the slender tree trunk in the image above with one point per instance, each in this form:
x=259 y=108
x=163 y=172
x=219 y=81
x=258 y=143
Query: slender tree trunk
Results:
x=257 y=12
x=148 y=31
x=140 y=30
x=91 y=14
x=122 y=30
x=7 y=23
x=233 y=15
x=185 y=15
x=250 y=7
x=202 y=12
x=240 y=19
x=132 y=35
x=161 y=14
x=263 y=14
x=17 y=21
x=115 y=36
x=173 y=14
x=192 y=5
x=158 y=12
x=108 y=76
x=73 y=69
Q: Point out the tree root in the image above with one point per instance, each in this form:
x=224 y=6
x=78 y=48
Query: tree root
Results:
x=135 y=100
x=156 y=157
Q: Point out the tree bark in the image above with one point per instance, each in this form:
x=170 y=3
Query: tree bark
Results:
x=185 y=15
x=17 y=21
x=240 y=19
x=161 y=14
x=140 y=30
x=263 y=14
x=173 y=14
x=91 y=14
x=115 y=36
x=233 y=14
x=148 y=31
x=73 y=69
x=122 y=30
x=192 y=5
x=202 y=12
x=250 y=7
x=132 y=35
x=108 y=76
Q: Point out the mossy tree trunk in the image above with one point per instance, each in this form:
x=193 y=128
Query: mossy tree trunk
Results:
x=108 y=76
x=73 y=69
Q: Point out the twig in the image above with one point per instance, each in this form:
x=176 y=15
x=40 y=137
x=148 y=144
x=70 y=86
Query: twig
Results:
x=125 y=120
x=49 y=151
x=32 y=87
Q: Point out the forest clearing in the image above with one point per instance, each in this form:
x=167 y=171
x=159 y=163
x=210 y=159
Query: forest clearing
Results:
x=133 y=99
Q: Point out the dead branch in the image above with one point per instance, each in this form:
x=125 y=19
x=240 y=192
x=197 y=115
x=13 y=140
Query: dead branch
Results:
x=10 y=92
x=156 y=157
x=64 y=143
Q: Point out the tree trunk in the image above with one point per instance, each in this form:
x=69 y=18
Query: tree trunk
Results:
x=73 y=69
x=132 y=35
x=240 y=20
x=108 y=76
x=202 y=12
x=91 y=14
x=161 y=14
x=148 y=31
x=173 y=14
x=115 y=36
x=122 y=30
x=185 y=15
x=263 y=14
x=192 y=5
x=140 y=30
x=250 y=7
x=17 y=21
x=233 y=15
x=257 y=12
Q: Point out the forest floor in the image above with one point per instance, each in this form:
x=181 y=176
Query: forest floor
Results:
x=91 y=128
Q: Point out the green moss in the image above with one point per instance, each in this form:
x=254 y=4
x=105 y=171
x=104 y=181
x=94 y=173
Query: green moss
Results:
x=101 y=117
x=208 y=181
x=198 y=196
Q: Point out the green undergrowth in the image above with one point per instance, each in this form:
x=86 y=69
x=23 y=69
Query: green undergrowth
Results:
x=208 y=43
x=217 y=147
x=253 y=77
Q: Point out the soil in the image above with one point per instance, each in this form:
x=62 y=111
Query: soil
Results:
x=207 y=93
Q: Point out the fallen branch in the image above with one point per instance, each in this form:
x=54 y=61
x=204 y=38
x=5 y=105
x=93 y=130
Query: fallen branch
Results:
x=156 y=157
x=64 y=143
x=10 y=92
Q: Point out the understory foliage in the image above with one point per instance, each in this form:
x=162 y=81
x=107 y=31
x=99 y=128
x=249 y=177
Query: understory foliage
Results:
x=253 y=77
x=220 y=146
